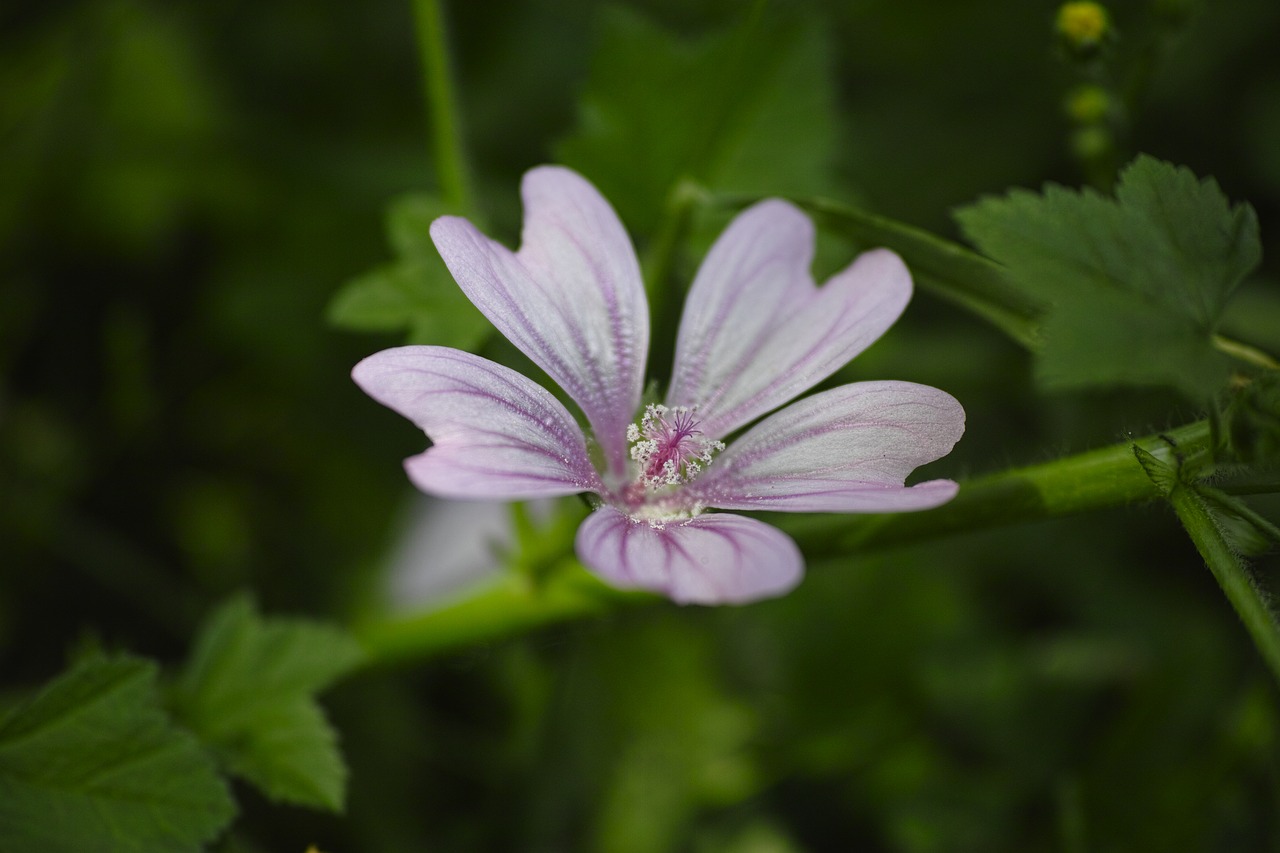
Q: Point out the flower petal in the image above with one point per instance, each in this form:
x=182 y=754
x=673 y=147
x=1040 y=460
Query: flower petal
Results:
x=571 y=299
x=712 y=559
x=844 y=450
x=495 y=433
x=756 y=331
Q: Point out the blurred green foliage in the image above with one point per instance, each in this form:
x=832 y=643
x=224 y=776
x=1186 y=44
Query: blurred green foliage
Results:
x=247 y=693
x=187 y=186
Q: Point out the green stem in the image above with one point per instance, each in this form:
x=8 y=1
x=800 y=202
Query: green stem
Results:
x=1230 y=572
x=1108 y=477
x=442 y=107
x=1245 y=353
x=1071 y=824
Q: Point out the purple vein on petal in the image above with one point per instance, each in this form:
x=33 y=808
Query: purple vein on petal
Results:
x=571 y=298
x=849 y=449
x=711 y=559
x=757 y=331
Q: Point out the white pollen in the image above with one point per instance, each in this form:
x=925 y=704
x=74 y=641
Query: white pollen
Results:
x=667 y=446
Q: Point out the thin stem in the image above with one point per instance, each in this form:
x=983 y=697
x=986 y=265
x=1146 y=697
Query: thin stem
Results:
x=1071 y=823
x=1245 y=353
x=1230 y=572
x=442 y=107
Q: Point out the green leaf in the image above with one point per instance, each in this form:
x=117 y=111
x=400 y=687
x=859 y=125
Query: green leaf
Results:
x=750 y=111
x=1136 y=285
x=1165 y=476
x=248 y=693
x=93 y=763
x=414 y=293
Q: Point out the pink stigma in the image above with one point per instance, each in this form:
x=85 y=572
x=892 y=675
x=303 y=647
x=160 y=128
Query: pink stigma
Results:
x=668 y=446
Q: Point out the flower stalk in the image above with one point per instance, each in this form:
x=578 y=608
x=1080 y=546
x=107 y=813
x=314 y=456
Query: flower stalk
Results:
x=1230 y=572
x=442 y=106
x=1098 y=479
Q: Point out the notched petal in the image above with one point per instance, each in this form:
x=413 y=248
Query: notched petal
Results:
x=757 y=331
x=572 y=298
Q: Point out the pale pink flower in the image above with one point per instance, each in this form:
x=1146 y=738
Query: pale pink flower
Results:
x=756 y=332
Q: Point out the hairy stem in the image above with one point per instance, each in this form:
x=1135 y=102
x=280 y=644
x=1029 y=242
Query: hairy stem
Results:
x=1230 y=572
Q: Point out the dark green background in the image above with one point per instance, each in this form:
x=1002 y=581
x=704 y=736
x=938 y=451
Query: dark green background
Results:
x=184 y=187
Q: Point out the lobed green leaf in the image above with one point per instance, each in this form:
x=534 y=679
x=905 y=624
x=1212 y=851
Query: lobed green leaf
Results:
x=1136 y=284
x=93 y=763
x=415 y=293
x=248 y=693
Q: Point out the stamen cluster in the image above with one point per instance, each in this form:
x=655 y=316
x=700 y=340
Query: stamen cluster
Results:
x=668 y=446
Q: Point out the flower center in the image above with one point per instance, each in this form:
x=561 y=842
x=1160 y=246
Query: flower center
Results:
x=668 y=447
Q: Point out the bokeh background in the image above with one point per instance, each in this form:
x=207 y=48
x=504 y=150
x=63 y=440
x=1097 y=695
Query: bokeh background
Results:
x=185 y=188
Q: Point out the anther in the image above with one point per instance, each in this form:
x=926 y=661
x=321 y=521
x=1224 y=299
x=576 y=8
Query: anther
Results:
x=668 y=447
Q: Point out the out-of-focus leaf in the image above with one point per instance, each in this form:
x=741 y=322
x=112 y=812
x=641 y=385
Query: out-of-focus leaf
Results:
x=1136 y=285
x=92 y=763
x=248 y=693
x=750 y=110
x=151 y=145
x=414 y=293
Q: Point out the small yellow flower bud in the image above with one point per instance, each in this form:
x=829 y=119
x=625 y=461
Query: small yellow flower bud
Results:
x=1088 y=104
x=1083 y=24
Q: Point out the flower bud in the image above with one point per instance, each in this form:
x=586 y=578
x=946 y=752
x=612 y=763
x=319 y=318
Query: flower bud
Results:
x=1083 y=26
x=1088 y=105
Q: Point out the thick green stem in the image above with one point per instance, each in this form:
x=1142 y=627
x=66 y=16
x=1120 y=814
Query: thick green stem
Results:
x=1230 y=572
x=1108 y=477
x=442 y=106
